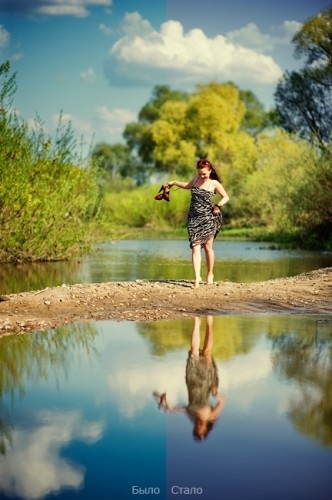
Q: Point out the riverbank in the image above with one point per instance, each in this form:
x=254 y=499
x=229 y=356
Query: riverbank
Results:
x=307 y=293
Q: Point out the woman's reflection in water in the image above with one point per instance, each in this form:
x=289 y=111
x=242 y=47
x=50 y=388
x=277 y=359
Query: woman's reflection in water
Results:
x=205 y=402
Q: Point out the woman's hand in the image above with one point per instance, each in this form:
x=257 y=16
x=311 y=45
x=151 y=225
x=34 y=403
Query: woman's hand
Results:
x=216 y=210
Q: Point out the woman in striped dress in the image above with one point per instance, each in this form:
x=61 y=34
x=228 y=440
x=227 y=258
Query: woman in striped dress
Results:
x=204 y=218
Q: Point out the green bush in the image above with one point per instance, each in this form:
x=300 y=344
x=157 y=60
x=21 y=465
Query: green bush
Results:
x=46 y=199
x=138 y=208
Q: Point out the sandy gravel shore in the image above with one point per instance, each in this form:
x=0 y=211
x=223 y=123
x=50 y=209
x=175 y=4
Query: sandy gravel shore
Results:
x=308 y=293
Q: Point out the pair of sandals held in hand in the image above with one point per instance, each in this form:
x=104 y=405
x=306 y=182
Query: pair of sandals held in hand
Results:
x=163 y=193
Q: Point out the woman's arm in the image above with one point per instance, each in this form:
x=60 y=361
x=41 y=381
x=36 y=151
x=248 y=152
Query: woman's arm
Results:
x=163 y=405
x=180 y=184
x=219 y=406
x=221 y=191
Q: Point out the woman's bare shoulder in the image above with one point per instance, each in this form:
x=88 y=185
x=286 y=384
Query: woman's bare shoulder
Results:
x=216 y=184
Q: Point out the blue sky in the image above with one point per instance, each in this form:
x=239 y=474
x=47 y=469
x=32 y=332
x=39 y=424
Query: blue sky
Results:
x=97 y=61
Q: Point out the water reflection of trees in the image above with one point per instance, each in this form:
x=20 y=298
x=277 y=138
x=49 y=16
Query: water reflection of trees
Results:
x=232 y=335
x=24 y=277
x=34 y=357
x=306 y=358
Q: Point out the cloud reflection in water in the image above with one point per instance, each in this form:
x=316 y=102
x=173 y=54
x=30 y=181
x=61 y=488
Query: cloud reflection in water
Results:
x=33 y=467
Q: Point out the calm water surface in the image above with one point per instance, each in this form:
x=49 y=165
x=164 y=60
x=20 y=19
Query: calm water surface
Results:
x=81 y=415
x=162 y=259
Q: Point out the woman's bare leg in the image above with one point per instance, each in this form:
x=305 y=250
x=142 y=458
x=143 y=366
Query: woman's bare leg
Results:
x=209 y=255
x=195 y=337
x=196 y=261
x=208 y=340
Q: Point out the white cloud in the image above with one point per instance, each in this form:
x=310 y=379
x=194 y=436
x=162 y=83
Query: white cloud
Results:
x=88 y=76
x=133 y=387
x=17 y=57
x=76 y=8
x=144 y=55
x=111 y=122
x=287 y=30
x=81 y=127
x=133 y=24
x=105 y=30
x=4 y=36
x=116 y=115
x=251 y=37
x=243 y=370
x=34 y=466
x=5 y=41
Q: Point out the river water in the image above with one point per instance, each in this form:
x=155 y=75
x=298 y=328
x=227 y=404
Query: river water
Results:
x=162 y=259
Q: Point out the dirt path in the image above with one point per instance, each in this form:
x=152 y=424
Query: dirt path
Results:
x=308 y=293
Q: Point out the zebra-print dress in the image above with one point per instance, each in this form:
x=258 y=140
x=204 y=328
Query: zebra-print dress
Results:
x=202 y=224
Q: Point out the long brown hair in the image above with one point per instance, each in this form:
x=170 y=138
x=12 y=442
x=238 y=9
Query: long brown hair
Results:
x=206 y=164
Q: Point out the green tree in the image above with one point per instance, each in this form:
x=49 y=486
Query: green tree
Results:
x=115 y=161
x=207 y=125
x=214 y=114
x=304 y=98
x=314 y=42
x=305 y=360
x=309 y=206
x=289 y=190
x=160 y=95
x=266 y=193
x=173 y=150
x=138 y=135
x=255 y=118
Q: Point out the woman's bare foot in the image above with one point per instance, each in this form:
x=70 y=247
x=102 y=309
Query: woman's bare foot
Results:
x=197 y=282
x=209 y=279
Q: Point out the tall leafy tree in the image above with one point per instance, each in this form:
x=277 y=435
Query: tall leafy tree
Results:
x=208 y=125
x=173 y=150
x=256 y=118
x=314 y=43
x=160 y=95
x=304 y=98
x=313 y=212
x=138 y=135
x=214 y=114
